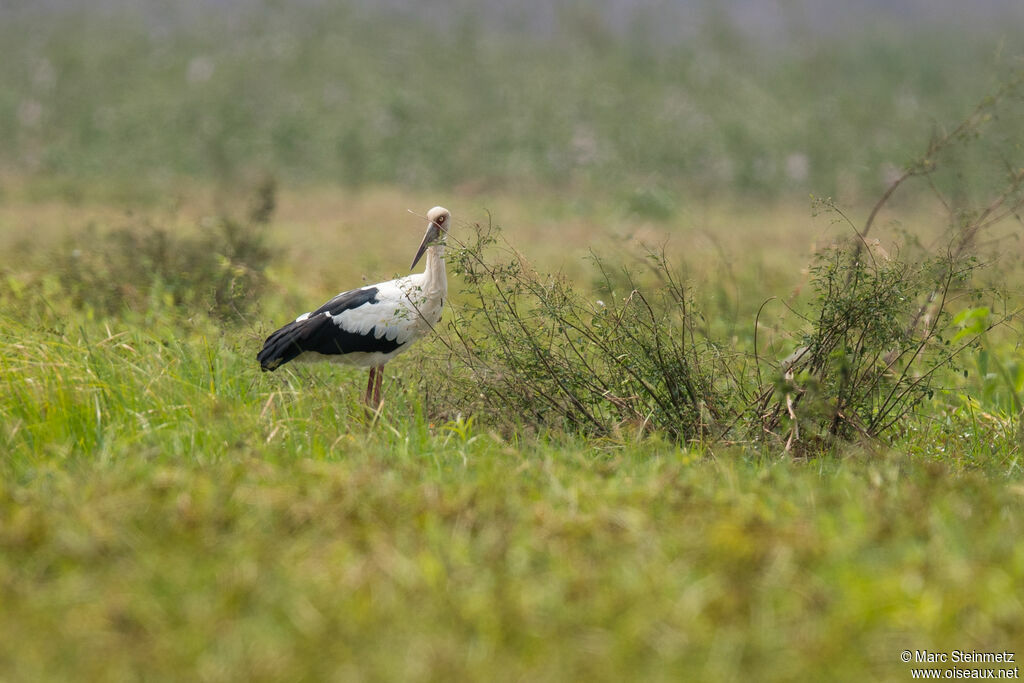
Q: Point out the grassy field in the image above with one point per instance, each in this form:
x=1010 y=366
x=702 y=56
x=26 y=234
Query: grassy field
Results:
x=168 y=512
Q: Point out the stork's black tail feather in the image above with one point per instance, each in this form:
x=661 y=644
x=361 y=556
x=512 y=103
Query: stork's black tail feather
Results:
x=283 y=345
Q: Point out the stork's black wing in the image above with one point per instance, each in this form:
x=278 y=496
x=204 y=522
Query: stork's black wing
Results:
x=319 y=332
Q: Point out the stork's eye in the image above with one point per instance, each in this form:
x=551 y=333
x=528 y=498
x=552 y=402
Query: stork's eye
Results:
x=440 y=220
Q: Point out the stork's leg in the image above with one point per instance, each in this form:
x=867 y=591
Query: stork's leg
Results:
x=370 y=386
x=377 y=387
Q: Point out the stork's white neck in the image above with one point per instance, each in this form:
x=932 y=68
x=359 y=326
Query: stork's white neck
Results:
x=435 y=279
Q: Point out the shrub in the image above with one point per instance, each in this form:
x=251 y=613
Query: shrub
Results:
x=880 y=326
x=532 y=349
x=218 y=270
x=870 y=354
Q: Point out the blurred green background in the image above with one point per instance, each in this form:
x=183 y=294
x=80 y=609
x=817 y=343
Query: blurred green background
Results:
x=685 y=98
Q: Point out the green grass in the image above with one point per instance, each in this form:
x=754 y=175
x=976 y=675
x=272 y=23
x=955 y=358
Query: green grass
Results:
x=166 y=511
x=422 y=559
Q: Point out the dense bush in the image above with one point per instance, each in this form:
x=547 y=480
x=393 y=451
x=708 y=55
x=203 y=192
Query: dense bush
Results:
x=218 y=270
x=531 y=349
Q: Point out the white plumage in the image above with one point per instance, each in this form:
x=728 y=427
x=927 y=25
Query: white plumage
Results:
x=371 y=325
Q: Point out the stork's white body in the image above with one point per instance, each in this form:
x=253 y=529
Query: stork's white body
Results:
x=371 y=325
x=405 y=310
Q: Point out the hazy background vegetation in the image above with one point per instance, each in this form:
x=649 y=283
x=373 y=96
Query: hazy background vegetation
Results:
x=177 y=179
x=763 y=99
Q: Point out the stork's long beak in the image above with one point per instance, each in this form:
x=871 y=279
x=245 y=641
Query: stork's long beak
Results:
x=433 y=232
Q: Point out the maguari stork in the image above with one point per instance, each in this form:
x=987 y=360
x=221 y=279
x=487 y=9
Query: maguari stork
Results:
x=371 y=325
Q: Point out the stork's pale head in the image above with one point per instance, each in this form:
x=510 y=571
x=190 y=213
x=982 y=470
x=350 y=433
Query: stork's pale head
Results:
x=439 y=218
